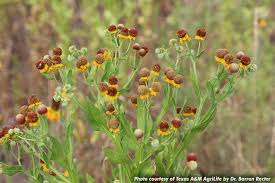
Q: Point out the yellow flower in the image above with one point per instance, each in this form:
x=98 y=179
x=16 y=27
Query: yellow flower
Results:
x=164 y=129
x=98 y=65
x=112 y=94
x=185 y=38
x=66 y=173
x=144 y=97
x=34 y=124
x=44 y=167
x=107 y=56
x=83 y=68
x=169 y=81
x=201 y=33
x=53 y=115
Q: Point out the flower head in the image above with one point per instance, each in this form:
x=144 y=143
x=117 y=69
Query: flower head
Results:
x=33 y=100
x=57 y=51
x=110 y=109
x=103 y=87
x=239 y=55
x=189 y=111
x=155 y=88
x=155 y=70
x=32 y=119
x=143 y=92
x=220 y=55
x=112 y=94
x=113 y=125
x=245 y=61
x=183 y=36
x=169 y=76
x=112 y=29
x=113 y=81
x=144 y=74
x=201 y=33
x=178 y=80
x=99 y=60
x=20 y=119
x=164 y=128
x=143 y=51
x=133 y=33
x=42 y=66
x=136 y=46
x=176 y=123
x=124 y=33
x=228 y=59
x=53 y=113
x=82 y=64
x=133 y=99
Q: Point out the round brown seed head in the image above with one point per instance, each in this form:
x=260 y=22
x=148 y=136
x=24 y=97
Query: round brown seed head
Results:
x=33 y=99
x=113 y=80
x=239 y=54
x=110 y=107
x=103 y=87
x=201 y=32
x=111 y=91
x=178 y=79
x=176 y=122
x=164 y=126
x=156 y=68
x=170 y=74
x=133 y=99
x=112 y=28
x=133 y=32
x=32 y=117
x=113 y=124
x=57 y=51
x=142 y=52
x=56 y=59
x=156 y=86
x=233 y=68
x=24 y=110
x=120 y=26
x=228 y=58
x=102 y=50
x=42 y=109
x=221 y=52
x=245 y=60
x=191 y=157
x=188 y=109
x=55 y=104
x=143 y=90
x=40 y=64
x=20 y=119
x=181 y=33
x=144 y=72
x=99 y=58
x=138 y=133
x=136 y=46
x=124 y=31
x=81 y=61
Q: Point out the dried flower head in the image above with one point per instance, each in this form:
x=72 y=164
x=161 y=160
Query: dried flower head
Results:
x=33 y=100
x=156 y=69
x=133 y=99
x=110 y=109
x=155 y=88
x=82 y=64
x=56 y=59
x=228 y=58
x=142 y=82
x=113 y=125
x=183 y=36
x=233 y=68
x=142 y=52
x=99 y=59
x=42 y=109
x=24 y=110
x=143 y=92
x=220 y=55
x=144 y=73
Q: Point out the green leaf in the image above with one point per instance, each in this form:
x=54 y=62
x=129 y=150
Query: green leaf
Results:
x=116 y=157
x=12 y=170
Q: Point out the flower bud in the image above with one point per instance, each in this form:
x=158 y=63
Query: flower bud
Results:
x=113 y=124
x=156 y=68
x=178 y=79
x=172 y=42
x=253 y=68
x=113 y=80
x=221 y=52
x=192 y=165
x=228 y=58
x=245 y=60
x=20 y=119
x=142 y=52
x=143 y=90
x=112 y=28
x=12 y=143
x=191 y=157
x=138 y=133
x=42 y=109
x=170 y=74
x=103 y=87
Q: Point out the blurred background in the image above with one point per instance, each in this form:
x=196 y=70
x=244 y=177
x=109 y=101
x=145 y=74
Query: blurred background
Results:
x=240 y=141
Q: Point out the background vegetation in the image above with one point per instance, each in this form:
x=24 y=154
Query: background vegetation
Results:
x=242 y=139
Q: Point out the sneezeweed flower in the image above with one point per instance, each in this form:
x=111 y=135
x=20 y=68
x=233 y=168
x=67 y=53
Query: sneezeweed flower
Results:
x=42 y=66
x=124 y=33
x=220 y=55
x=143 y=92
x=133 y=33
x=82 y=64
x=112 y=29
x=156 y=70
x=103 y=88
x=113 y=81
x=164 y=128
x=24 y=109
x=245 y=61
x=136 y=46
x=144 y=74
x=143 y=51
x=155 y=88
x=239 y=55
x=53 y=113
x=110 y=109
x=106 y=54
x=66 y=173
x=57 y=51
x=183 y=36
x=233 y=68
x=178 y=80
x=133 y=99
x=176 y=123
x=228 y=59
x=4 y=135
x=201 y=33
x=32 y=119
x=20 y=119
x=192 y=161
x=42 y=109
x=99 y=60
x=189 y=111
x=112 y=94
x=142 y=82
x=169 y=77
x=138 y=133
x=33 y=101
x=113 y=126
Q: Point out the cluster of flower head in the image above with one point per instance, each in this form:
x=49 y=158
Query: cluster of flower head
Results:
x=183 y=35
x=232 y=63
x=28 y=117
x=50 y=62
